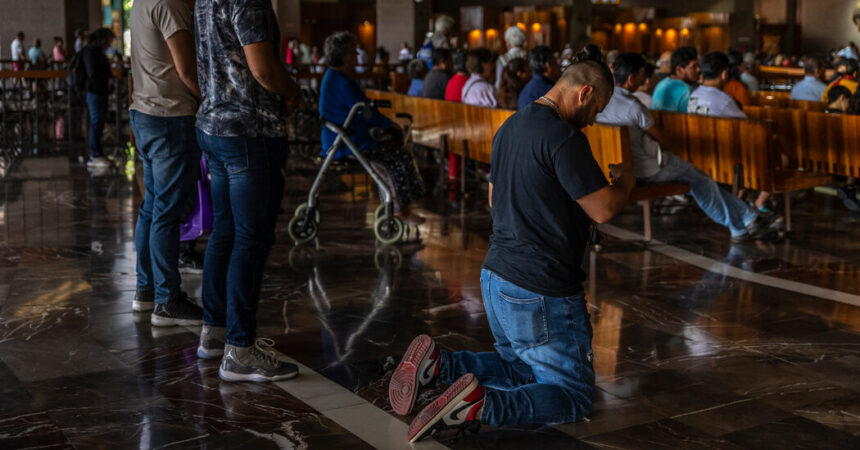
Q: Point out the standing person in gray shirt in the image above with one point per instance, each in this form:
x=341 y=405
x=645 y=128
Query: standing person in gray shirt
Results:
x=164 y=102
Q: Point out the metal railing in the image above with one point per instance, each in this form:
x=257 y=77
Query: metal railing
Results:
x=38 y=108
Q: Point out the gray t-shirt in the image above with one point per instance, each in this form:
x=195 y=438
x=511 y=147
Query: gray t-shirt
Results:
x=158 y=90
x=711 y=101
x=625 y=110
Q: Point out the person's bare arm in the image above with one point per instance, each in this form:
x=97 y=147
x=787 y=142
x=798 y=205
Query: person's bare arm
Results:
x=490 y=195
x=181 y=45
x=268 y=71
x=606 y=203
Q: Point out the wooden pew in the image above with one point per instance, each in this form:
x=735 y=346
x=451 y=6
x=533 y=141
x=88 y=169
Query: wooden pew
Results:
x=780 y=99
x=819 y=142
x=786 y=73
x=468 y=131
x=723 y=147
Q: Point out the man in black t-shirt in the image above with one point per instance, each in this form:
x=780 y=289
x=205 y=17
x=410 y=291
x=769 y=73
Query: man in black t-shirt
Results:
x=546 y=190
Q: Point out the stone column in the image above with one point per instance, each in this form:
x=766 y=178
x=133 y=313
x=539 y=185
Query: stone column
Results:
x=289 y=14
x=743 y=25
x=395 y=23
x=788 y=46
x=579 y=24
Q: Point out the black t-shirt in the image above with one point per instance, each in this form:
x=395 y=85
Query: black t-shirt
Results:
x=540 y=166
x=434 y=84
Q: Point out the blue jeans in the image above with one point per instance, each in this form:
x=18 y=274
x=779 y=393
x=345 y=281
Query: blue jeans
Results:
x=97 y=106
x=717 y=203
x=168 y=149
x=247 y=187
x=541 y=371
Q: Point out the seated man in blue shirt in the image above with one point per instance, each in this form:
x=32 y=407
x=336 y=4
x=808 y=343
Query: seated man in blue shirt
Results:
x=673 y=93
x=338 y=93
x=545 y=71
x=811 y=87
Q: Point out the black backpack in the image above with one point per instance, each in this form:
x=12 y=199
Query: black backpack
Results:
x=76 y=74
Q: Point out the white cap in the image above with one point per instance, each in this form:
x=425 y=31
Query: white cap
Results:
x=515 y=36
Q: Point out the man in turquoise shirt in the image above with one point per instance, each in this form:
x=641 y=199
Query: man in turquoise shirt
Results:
x=673 y=93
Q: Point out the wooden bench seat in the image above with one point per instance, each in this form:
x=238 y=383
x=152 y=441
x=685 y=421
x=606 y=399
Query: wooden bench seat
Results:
x=468 y=131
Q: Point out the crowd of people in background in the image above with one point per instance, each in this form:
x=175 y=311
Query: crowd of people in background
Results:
x=716 y=84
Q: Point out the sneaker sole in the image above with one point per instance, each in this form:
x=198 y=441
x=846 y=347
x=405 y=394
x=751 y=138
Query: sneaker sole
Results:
x=403 y=387
x=432 y=413
x=202 y=353
x=159 y=321
x=139 y=306
x=253 y=377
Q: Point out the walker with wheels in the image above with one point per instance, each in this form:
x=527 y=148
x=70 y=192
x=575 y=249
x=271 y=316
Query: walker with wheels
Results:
x=387 y=227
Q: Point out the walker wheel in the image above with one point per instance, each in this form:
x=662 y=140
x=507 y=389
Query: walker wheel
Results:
x=302 y=256
x=388 y=256
x=299 y=235
x=388 y=230
x=300 y=211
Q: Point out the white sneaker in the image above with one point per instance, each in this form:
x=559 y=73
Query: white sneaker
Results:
x=98 y=162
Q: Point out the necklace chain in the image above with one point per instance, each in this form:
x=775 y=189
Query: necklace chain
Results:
x=551 y=104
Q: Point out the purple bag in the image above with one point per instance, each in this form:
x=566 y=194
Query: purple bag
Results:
x=200 y=220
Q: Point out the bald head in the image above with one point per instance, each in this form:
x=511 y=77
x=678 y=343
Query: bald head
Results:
x=584 y=88
x=588 y=73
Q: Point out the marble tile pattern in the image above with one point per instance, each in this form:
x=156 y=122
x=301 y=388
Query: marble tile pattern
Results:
x=684 y=358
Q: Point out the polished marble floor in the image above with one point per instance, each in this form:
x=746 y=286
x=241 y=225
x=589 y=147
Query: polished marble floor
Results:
x=685 y=357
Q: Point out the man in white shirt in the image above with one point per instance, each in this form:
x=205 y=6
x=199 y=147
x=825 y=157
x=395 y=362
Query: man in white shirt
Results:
x=747 y=77
x=19 y=59
x=81 y=40
x=363 y=59
x=655 y=165
x=709 y=99
x=811 y=87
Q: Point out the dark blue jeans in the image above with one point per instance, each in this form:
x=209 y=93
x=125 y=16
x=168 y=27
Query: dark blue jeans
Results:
x=247 y=187
x=541 y=371
x=168 y=149
x=97 y=106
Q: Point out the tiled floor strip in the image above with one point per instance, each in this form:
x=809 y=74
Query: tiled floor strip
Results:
x=714 y=266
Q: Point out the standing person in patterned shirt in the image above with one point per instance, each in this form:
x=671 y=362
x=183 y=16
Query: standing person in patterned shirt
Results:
x=241 y=129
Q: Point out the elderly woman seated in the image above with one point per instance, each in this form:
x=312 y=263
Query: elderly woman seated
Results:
x=338 y=93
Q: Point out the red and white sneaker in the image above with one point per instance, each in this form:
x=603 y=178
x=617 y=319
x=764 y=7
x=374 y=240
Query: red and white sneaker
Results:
x=458 y=407
x=418 y=369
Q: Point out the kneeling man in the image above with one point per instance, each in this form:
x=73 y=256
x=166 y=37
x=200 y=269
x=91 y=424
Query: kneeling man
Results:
x=546 y=191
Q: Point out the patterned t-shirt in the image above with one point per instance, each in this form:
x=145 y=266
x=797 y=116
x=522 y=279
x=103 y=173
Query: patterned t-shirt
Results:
x=234 y=103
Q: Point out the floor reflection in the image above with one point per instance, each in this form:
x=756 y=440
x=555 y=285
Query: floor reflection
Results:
x=684 y=357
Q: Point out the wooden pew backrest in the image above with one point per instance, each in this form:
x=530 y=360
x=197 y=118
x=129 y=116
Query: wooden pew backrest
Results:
x=715 y=146
x=477 y=125
x=819 y=142
x=781 y=99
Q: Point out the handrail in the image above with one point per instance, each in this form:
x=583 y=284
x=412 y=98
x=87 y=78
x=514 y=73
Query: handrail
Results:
x=32 y=74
